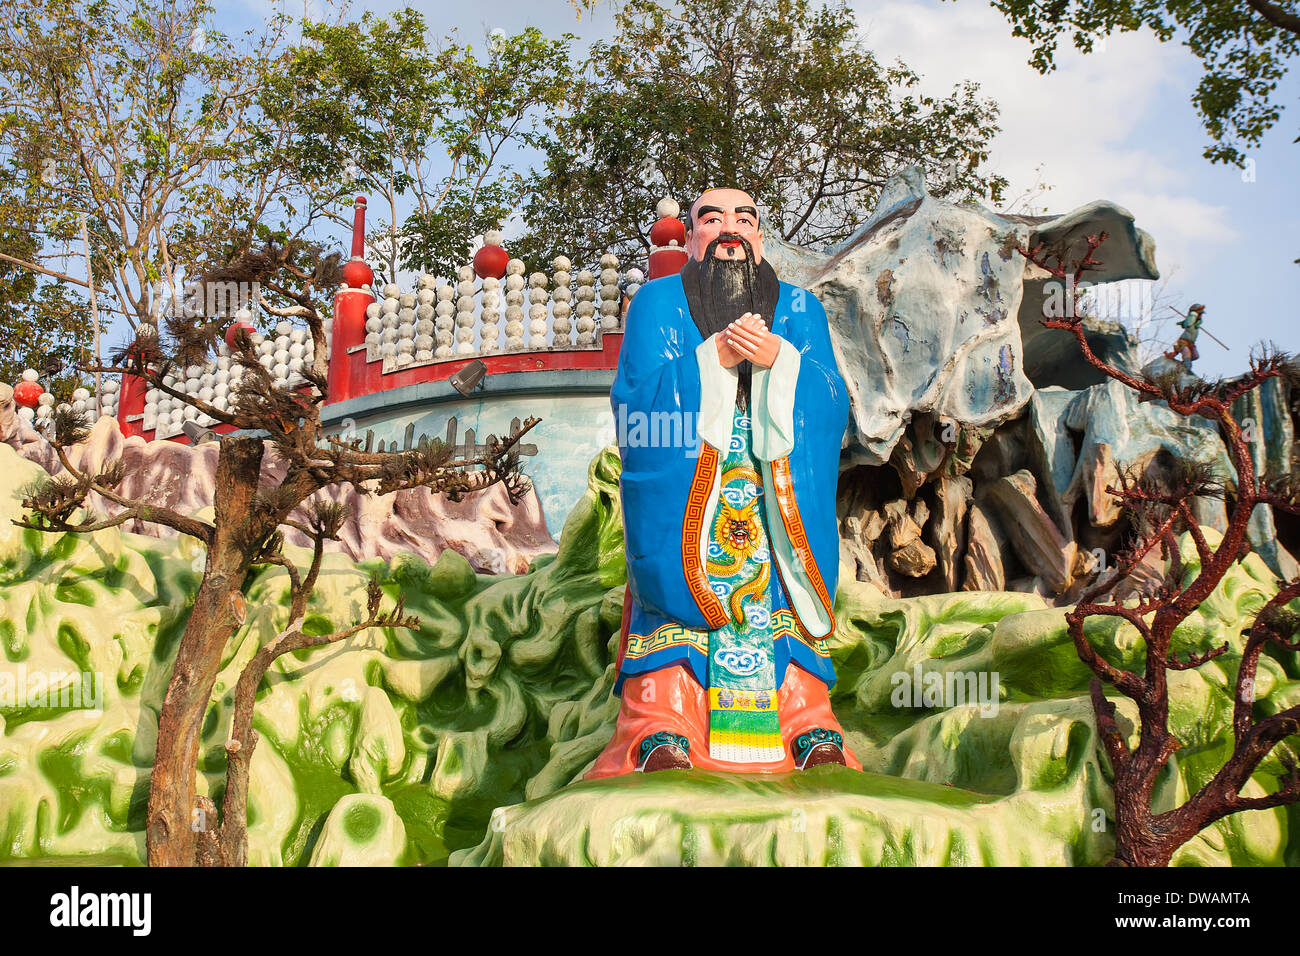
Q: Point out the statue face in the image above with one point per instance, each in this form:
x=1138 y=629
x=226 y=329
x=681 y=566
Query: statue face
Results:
x=725 y=227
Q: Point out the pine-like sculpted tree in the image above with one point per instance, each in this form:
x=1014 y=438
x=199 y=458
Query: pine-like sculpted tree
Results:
x=246 y=529
x=1159 y=508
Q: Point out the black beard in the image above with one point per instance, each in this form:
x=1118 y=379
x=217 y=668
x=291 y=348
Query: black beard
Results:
x=728 y=288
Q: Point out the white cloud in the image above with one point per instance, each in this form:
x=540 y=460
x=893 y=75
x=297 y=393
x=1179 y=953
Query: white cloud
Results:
x=1091 y=124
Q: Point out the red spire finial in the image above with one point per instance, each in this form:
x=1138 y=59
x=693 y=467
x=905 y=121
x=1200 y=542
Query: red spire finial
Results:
x=359 y=229
x=356 y=273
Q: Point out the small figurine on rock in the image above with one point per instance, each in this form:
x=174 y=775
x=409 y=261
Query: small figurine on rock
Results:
x=1185 y=348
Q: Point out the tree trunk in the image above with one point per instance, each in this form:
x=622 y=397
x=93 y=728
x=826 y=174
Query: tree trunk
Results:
x=173 y=816
x=1135 y=846
x=1142 y=838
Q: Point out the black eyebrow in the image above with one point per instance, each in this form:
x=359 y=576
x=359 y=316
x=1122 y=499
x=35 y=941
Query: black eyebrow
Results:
x=718 y=209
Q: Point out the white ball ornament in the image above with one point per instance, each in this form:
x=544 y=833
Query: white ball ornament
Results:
x=667 y=208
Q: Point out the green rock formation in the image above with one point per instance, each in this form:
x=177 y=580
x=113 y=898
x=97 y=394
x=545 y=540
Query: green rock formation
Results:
x=463 y=740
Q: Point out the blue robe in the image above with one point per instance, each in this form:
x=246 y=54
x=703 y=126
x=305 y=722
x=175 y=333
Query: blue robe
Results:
x=673 y=407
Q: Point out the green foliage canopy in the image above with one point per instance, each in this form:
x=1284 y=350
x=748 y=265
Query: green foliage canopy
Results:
x=778 y=97
x=432 y=133
x=1246 y=47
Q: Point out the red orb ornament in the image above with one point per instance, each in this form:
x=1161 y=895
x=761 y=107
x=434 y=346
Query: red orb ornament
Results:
x=357 y=274
x=666 y=262
x=28 y=393
x=490 y=262
x=234 y=330
x=667 y=231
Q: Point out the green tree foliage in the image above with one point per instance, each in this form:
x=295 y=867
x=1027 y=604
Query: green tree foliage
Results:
x=1246 y=47
x=186 y=149
x=778 y=97
x=437 y=130
x=40 y=318
x=134 y=116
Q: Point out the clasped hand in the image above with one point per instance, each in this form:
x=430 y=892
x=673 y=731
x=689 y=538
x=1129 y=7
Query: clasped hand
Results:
x=748 y=339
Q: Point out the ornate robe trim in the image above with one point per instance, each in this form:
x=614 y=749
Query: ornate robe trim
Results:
x=698 y=505
x=785 y=623
x=722 y=698
x=794 y=529
x=666 y=635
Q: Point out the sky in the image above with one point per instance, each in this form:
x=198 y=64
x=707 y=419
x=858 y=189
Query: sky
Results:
x=1117 y=124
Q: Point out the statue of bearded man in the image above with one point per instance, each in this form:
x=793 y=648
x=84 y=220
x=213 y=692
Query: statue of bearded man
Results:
x=732 y=414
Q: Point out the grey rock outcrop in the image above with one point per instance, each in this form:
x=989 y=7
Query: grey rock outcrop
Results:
x=933 y=312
